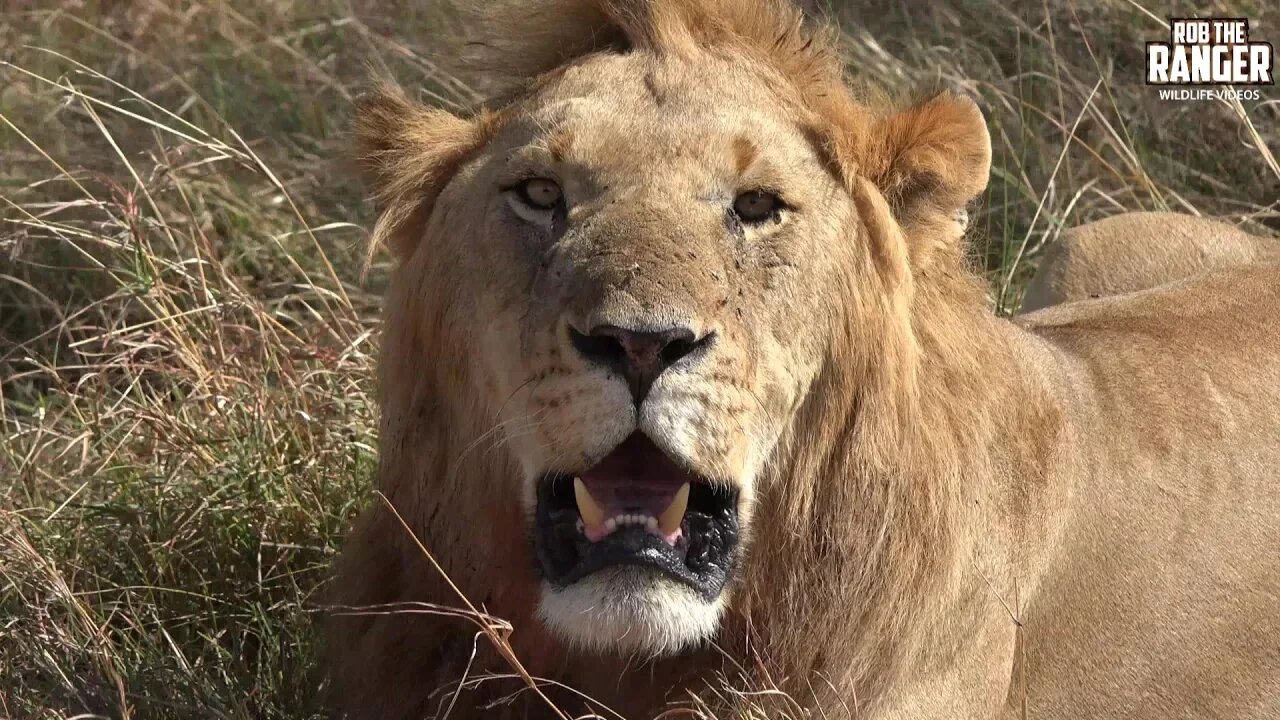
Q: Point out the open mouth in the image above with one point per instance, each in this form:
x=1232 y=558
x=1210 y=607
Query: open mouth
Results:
x=637 y=507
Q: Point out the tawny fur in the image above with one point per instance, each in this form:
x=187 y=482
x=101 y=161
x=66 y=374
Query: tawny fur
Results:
x=1136 y=251
x=947 y=514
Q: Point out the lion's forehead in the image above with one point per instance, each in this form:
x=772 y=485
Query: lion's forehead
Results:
x=610 y=116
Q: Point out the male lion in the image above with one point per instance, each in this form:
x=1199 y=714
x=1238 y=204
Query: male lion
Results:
x=683 y=375
x=1135 y=251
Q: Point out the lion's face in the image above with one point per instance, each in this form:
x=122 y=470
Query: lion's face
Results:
x=648 y=263
x=657 y=247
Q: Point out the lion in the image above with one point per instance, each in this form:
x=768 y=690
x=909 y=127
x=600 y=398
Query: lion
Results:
x=1135 y=251
x=685 y=377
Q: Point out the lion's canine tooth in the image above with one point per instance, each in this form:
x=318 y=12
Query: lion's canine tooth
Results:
x=591 y=512
x=670 y=520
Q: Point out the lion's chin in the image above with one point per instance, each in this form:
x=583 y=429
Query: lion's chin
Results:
x=630 y=611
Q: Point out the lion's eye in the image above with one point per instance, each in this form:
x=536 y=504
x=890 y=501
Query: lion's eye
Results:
x=755 y=206
x=540 y=193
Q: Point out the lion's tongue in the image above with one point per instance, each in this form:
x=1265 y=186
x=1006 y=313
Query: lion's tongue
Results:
x=633 y=484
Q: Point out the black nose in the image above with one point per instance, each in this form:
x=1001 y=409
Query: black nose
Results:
x=640 y=356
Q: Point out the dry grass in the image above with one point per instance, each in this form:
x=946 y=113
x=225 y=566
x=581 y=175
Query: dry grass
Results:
x=186 y=341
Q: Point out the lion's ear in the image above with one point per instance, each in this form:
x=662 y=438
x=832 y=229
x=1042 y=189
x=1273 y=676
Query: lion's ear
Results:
x=408 y=152
x=935 y=158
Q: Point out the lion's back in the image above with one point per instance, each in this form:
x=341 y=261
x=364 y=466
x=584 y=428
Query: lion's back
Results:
x=1138 y=250
x=1150 y=349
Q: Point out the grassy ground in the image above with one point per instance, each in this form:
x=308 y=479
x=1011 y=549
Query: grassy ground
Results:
x=186 y=337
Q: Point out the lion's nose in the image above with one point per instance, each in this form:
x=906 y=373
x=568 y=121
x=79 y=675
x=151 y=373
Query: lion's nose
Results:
x=640 y=356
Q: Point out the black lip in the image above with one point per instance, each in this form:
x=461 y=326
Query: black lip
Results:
x=703 y=558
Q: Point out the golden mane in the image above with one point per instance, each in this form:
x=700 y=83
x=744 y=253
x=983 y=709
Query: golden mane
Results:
x=510 y=46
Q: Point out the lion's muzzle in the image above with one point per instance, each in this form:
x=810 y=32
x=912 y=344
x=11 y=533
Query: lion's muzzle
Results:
x=637 y=508
x=644 y=437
